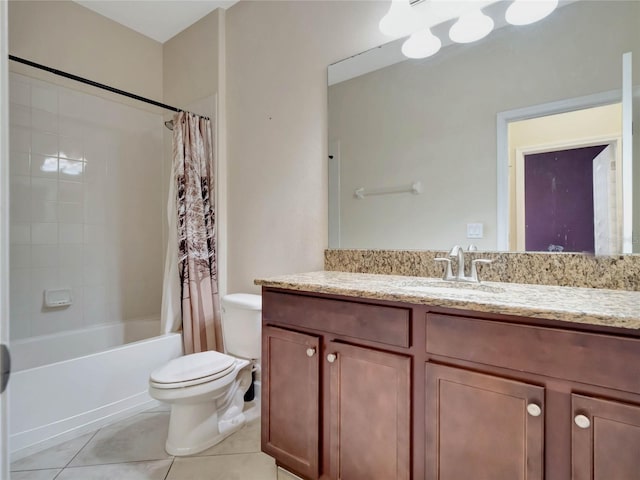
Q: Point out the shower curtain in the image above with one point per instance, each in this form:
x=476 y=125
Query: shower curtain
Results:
x=190 y=295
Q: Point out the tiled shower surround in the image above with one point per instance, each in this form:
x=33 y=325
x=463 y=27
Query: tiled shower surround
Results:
x=86 y=208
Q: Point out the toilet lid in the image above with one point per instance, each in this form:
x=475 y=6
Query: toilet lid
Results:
x=193 y=367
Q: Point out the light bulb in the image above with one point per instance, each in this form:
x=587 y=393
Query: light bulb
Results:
x=400 y=20
x=421 y=44
x=470 y=27
x=524 y=12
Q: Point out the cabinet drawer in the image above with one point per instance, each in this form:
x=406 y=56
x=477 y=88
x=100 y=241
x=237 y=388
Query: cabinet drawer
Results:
x=388 y=325
x=596 y=359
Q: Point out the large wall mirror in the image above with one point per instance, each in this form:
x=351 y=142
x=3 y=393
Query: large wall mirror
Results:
x=516 y=142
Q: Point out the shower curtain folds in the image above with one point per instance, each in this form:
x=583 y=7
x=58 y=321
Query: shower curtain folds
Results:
x=191 y=265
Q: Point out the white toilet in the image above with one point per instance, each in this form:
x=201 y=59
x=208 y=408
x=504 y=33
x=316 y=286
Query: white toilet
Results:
x=206 y=390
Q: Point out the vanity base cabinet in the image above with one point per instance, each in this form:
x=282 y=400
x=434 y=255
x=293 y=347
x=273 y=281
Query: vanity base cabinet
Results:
x=291 y=399
x=336 y=402
x=605 y=439
x=482 y=426
x=357 y=389
x=370 y=414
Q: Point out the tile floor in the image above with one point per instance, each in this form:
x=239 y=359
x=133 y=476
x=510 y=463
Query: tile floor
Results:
x=133 y=449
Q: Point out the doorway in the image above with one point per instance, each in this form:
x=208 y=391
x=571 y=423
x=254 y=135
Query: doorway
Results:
x=569 y=200
x=581 y=134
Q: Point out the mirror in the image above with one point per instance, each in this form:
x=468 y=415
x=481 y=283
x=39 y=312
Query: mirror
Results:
x=419 y=150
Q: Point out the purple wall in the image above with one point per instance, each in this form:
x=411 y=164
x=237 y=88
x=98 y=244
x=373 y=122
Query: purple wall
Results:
x=559 y=200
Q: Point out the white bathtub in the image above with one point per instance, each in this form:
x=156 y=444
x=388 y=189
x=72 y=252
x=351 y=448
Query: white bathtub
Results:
x=66 y=384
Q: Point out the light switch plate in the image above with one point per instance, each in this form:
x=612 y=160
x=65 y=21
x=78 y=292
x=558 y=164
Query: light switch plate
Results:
x=475 y=230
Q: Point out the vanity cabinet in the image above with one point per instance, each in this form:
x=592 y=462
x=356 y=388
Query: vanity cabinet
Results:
x=291 y=406
x=482 y=426
x=605 y=439
x=369 y=413
x=378 y=390
x=333 y=408
x=487 y=411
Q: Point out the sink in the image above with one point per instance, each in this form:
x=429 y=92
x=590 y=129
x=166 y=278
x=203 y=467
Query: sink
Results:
x=441 y=286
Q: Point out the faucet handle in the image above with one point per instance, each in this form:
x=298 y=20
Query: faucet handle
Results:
x=474 y=268
x=454 y=251
x=472 y=248
x=448 y=274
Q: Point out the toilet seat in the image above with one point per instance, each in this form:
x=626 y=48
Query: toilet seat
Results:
x=192 y=369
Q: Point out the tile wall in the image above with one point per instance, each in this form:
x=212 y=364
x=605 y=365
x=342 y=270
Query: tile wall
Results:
x=86 y=208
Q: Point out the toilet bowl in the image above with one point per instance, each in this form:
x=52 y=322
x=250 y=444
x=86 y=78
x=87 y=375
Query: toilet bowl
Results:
x=206 y=390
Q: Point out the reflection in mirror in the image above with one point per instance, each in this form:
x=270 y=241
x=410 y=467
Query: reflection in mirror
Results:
x=563 y=198
x=447 y=122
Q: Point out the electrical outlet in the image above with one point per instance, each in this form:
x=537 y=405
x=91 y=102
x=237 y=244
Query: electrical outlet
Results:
x=475 y=230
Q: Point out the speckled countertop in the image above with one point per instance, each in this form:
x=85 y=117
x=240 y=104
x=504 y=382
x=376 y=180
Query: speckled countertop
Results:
x=613 y=308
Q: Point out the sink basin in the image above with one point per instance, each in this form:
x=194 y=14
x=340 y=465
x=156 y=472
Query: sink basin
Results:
x=441 y=286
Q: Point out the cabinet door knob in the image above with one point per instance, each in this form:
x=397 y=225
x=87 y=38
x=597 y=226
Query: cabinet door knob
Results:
x=332 y=357
x=311 y=352
x=534 y=410
x=582 y=421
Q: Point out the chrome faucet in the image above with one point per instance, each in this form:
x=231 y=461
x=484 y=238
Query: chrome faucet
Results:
x=458 y=253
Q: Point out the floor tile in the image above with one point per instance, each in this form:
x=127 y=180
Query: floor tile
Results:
x=245 y=440
x=138 y=438
x=284 y=475
x=245 y=466
x=54 y=457
x=156 y=470
x=35 y=475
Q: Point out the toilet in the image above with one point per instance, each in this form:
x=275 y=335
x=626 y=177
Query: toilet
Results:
x=206 y=390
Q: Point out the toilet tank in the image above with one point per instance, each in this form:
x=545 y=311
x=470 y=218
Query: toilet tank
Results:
x=242 y=324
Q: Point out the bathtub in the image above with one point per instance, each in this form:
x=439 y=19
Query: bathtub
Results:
x=67 y=384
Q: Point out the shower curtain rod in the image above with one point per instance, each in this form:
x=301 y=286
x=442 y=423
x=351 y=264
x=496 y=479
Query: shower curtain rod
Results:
x=98 y=85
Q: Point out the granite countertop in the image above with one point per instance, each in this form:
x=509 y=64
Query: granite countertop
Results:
x=612 y=308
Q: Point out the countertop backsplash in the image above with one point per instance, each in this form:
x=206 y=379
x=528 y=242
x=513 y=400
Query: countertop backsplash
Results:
x=619 y=272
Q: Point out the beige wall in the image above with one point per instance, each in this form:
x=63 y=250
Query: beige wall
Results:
x=277 y=54
x=190 y=63
x=72 y=38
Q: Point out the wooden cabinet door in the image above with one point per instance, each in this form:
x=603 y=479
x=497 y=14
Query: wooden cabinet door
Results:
x=291 y=399
x=370 y=413
x=478 y=426
x=605 y=439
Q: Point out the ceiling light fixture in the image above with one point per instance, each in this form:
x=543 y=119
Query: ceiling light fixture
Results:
x=524 y=12
x=400 y=20
x=421 y=44
x=471 y=27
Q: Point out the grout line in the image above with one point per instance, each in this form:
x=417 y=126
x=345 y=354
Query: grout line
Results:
x=35 y=469
x=197 y=455
x=170 y=467
x=80 y=449
x=121 y=462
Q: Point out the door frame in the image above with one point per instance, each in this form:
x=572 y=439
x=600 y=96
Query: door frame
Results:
x=520 y=153
x=502 y=143
x=4 y=225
